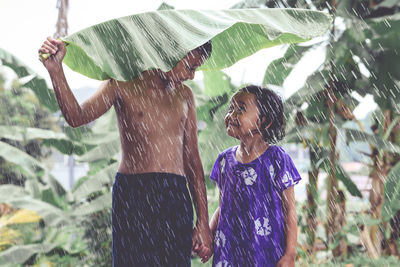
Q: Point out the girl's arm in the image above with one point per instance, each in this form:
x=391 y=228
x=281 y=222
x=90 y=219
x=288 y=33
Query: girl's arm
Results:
x=215 y=219
x=289 y=210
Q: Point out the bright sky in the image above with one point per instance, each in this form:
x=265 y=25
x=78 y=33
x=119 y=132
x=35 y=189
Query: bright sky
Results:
x=25 y=24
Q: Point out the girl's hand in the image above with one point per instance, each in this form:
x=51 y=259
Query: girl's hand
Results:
x=202 y=242
x=56 y=49
x=286 y=261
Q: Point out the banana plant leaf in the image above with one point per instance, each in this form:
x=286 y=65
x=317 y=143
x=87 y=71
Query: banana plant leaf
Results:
x=96 y=182
x=391 y=202
x=50 y=138
x=21 y=253
x=280 y=68
x=124 y=47
x=38 y=85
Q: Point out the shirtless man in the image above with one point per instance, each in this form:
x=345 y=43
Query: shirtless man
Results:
x=152 y=215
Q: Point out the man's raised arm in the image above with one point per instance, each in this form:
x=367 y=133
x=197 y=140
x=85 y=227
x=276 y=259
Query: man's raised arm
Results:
x=76 y=115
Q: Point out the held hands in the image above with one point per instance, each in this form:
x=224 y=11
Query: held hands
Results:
x=286 y=261
x=202 y=242
x=56 y=49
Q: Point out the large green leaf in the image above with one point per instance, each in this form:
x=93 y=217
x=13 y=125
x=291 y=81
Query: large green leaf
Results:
x=50 y=138
x=38 y=85
x=280 y=68
x=31 y=167
x=391 y=203
x=343 y=176
x=378 y=142
x=98 y=204
x=28 y=164
x=216 y=83
x=96 y=182
x=105 y=150
x=66 y=238
x=317 y=82
x=21 y=253
x=51 y=215
x=124 y=47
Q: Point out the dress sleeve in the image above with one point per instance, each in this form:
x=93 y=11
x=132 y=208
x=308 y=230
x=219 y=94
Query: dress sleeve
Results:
x=284 y=172
x=215 y=170
x=218 y=169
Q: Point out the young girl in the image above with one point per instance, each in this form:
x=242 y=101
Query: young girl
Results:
x=256 y=222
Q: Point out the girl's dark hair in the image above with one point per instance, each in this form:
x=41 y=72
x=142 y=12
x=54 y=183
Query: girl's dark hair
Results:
x=270 y=106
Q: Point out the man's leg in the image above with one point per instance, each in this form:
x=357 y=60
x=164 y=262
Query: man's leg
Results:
x=152 y=220
x=177 y=222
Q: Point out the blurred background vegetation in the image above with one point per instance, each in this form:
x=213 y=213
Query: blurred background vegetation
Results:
x=340 y=224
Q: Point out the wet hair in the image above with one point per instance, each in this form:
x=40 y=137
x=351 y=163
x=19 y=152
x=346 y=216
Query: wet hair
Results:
x=204 y=50
x=270 y=106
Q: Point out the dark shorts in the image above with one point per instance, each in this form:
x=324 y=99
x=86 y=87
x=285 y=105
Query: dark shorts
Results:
x=152 y=220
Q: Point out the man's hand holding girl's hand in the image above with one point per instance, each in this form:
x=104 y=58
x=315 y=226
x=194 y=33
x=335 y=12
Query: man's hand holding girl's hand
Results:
x=202 y=242
x=286 y=261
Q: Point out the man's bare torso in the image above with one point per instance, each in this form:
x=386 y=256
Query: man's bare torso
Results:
x=151 y=123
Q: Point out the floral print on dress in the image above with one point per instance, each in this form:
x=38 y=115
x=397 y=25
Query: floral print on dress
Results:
x=262 y=226
x=287 y=179
x=222 y=166
x=220 y=239
x=271 y=171
x=223 y=263
x=246 y=173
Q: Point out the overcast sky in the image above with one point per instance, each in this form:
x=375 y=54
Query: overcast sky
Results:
x=25 y=24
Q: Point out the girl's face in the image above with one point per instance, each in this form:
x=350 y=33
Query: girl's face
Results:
x=243 y=116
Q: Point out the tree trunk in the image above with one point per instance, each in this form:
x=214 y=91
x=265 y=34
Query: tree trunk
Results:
x=62 y=22
x=340 y=221
x=376 y=196
x=312 y=194
x=376 y=201
x=331 y=227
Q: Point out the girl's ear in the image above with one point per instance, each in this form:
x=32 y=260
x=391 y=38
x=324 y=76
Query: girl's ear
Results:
x=264 y=122
x=269 y=125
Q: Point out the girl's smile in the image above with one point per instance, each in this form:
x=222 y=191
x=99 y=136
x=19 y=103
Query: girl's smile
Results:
x=242 y=118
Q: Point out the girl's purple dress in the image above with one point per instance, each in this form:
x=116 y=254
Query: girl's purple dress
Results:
x=251 y=228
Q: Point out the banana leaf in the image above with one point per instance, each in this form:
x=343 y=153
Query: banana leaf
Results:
x=50 y=138
x=124 y=47
x=27 y=164
x=21 y=253
x=38 y=85
x=96 y=182
x=391 y=203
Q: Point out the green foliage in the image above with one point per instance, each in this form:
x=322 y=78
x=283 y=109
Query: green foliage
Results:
x=37 y=84
x=216 y=83
x=391 y=202
x=168 y=35
x=341 y=175
x=98 y=237
x=280 y=68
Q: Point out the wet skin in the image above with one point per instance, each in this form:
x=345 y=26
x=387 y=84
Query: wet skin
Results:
x=157 y=124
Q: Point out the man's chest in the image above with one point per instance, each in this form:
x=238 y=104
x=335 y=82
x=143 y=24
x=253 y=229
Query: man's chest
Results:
x=151 y=113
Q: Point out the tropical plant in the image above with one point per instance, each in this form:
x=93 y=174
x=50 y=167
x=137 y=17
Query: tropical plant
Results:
x=367 y=40
x=171 y=34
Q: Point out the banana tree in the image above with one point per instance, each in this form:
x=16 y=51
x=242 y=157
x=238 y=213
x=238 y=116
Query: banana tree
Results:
x=53 y=226
x=369 y=39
